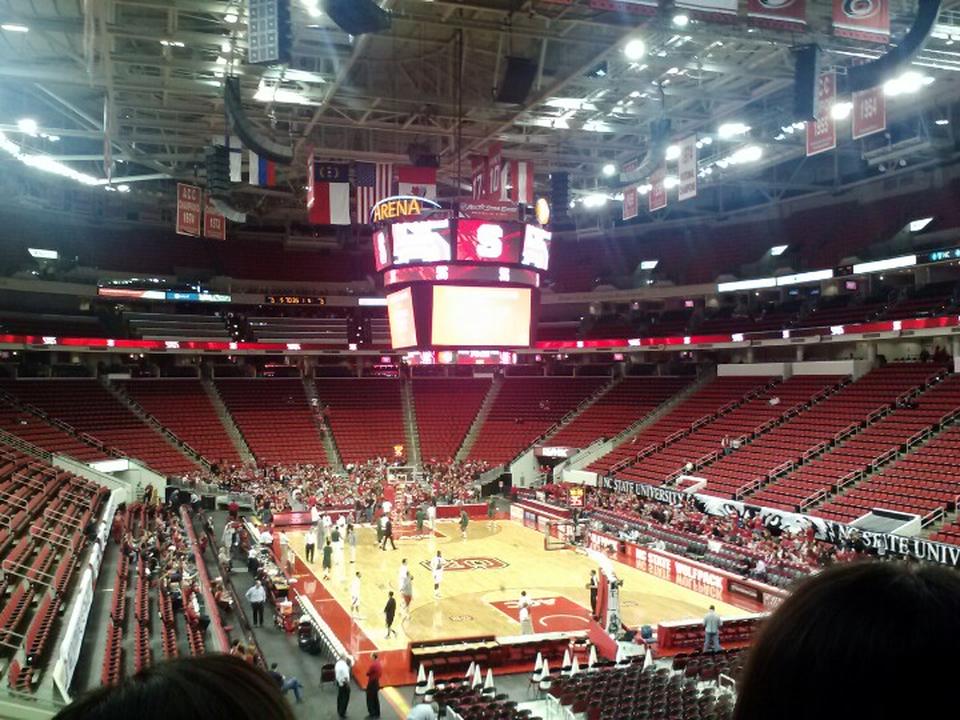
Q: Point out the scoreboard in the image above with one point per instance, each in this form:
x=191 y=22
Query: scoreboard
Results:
x=460 y=283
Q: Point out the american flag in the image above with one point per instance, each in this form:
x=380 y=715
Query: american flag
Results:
x=374 y=183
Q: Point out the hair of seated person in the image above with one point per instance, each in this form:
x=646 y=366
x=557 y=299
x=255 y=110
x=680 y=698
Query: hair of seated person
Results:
x=862 y=639
x=196 y=688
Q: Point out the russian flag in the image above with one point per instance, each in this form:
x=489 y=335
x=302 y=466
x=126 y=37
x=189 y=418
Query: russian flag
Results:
x=262 y=171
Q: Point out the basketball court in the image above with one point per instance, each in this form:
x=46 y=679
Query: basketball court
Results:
x=482 y=581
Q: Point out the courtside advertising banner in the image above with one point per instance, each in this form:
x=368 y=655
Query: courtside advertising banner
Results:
x=822 y=132
x=869 y=112
x=687 y=171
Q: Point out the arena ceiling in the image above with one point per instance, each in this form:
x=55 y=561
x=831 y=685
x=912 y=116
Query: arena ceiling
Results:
x=141 y=81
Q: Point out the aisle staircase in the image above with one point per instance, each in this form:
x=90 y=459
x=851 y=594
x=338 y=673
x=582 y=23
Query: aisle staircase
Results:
x=172 y=438
x=323 y=427
x=410 y=423
x=229 y=426
x=471 y=437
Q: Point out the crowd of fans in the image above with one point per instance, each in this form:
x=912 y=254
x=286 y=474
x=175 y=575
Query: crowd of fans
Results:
x=764 y=549
x=284 y=488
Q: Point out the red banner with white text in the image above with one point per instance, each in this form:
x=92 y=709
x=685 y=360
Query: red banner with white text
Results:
x=822 y=132
x=658 y=191
x=189 y=199
x=869 y=112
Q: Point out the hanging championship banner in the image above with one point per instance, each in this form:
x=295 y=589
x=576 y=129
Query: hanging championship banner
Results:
x=862 y=19
x=630 y=203
x=780 y=14
x=640 y=7
x=869 y=112
x=822 y=132
x=687 y=171
x=188 y=209
x=214 y=224
x=658 y=192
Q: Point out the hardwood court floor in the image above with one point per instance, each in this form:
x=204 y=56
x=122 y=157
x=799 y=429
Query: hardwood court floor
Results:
x=498 y=562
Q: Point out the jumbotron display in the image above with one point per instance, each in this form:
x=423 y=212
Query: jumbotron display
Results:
x=460 y=282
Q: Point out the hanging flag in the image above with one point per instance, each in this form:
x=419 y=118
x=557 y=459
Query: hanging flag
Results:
x=234 y=152
x=262 y=171
x=374 y=182
x=869 y=112
x=189 y=199
x=505 y=180
x=687 y=168
x=658 y=190
x=478 y=177
x=214 y=223
x=521 y=181
x=329 y=201
x=781 y=14
x=867 y=20
x=822 y=132
x=630 y=204
x=417 y=181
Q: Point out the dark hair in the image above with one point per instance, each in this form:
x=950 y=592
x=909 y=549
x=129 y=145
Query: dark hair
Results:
x=863 y=639
x=197 y=688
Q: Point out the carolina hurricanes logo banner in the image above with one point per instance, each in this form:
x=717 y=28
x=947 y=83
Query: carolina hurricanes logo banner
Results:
x=862 y=19
x=781 y=14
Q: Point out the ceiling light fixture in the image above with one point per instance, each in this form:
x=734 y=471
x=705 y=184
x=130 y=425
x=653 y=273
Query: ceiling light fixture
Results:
x=841 y=110
x=44 y=162
x=609 y=170
x=231 y=18
x=635 y=49
x=28 y=126
x=673 y=152
x=681 y=20
x=732 y=129
x=15 y=27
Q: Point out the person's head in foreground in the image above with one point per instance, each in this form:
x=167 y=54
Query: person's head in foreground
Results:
x=201 y=688
x=871 y=640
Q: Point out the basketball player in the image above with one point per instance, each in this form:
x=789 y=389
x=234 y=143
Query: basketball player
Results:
x=327 y=561
x=437 y=567
x=464 y=522
x=402 y=573
x=406 y=592
x=526 y=623
x=355 y=595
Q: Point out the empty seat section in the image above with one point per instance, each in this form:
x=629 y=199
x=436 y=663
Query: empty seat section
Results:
x=922 y=482
x=624 y=404
x=365 y=415
x=90 y=408
x=740 y=422
x=811 y=431
x=700 y=405
x=321 y=331
x=183 y=406
x=525 y=408
x=155 y=326
x=445 y=408
x=49 y=437
x=275 y=419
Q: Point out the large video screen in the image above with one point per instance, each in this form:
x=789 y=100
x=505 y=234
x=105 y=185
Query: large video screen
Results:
x=486 y=241
x=487 y=317
x=421 y=241
x=403 y=325
x=536 y=247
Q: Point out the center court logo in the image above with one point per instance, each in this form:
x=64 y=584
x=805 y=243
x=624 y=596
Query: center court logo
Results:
x=469 y=563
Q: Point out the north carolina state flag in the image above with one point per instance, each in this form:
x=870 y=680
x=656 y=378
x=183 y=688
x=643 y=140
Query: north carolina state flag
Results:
x=328 y=194
x=417 y=181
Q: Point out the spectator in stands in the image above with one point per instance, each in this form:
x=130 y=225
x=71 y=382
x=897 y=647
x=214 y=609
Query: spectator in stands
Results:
x=424 y=711
x=195 y=688
x=711 y=631
x=903 y=617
